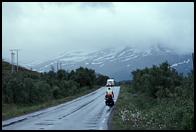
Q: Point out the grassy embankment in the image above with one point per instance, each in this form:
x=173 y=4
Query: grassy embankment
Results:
x=136 y=112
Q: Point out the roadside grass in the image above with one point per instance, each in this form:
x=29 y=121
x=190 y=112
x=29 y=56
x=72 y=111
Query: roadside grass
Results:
x=122 y=102
x=139 y=112
x=13 y=110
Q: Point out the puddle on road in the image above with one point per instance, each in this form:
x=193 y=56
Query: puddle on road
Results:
x=47 y=124
x=48 y=120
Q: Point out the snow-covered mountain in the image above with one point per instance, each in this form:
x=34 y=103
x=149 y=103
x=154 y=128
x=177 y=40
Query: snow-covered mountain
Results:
x=118 y=63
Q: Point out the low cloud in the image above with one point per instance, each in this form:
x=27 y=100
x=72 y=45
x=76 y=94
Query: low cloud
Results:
x=43 y=30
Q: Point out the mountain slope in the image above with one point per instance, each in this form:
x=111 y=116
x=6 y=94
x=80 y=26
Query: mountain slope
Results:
x=118 y=63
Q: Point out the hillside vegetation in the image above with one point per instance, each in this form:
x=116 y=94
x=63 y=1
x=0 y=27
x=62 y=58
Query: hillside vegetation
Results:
x=157 y=98
x=25 y=89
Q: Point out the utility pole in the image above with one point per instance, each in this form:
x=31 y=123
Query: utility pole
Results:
x=12 y=60
x=17 y=58
x=52 y=67
x=57 y=68
x=193 y=60
x=16 y=54
x=60 y=65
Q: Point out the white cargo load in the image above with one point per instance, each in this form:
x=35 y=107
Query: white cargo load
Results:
x=110 y=82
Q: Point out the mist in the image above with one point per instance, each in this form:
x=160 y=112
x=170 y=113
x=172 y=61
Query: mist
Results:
x=44 y=30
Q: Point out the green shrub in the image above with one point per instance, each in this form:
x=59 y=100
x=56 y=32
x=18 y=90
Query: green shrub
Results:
x=158 y=98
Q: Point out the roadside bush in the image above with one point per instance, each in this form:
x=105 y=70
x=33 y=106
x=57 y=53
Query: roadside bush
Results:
x=29 y=87
x=41 y=92
x=56 y=92
x=158 y=98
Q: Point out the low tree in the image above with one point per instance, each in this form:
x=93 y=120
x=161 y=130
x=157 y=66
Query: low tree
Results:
x=101 y=79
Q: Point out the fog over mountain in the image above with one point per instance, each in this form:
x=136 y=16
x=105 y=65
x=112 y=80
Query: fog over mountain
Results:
x=117 y=63
x=44 y=30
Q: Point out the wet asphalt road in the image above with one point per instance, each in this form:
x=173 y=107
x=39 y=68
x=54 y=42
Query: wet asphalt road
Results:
x=84 y=113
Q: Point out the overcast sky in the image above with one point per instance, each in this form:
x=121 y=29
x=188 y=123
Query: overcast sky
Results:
x=44 y=30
